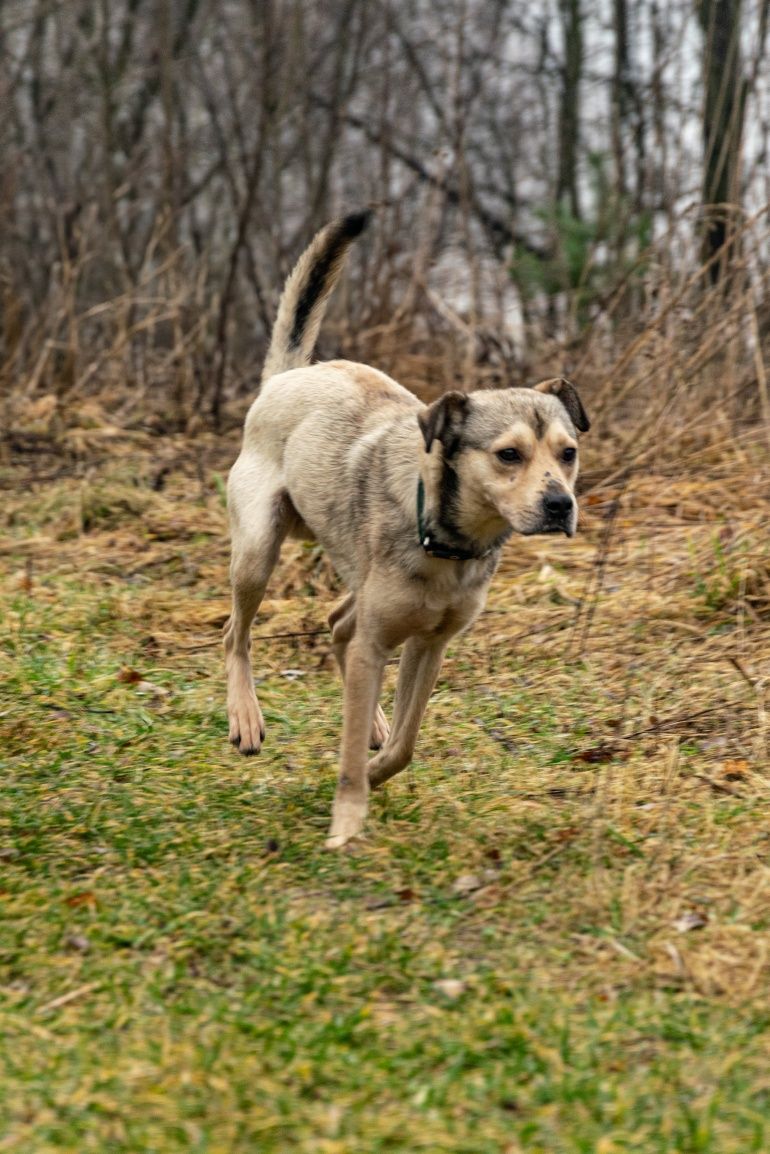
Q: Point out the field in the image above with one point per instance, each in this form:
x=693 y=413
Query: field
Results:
x=555 y=937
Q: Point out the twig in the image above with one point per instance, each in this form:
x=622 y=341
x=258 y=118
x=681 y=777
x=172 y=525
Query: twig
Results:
x=719 y=786
x=214 y=641
x=597 y=573
x=736 y=664
x=74 y=708
x=680 y=719
x=64 y=999
x=548 y=857
x=297 y=633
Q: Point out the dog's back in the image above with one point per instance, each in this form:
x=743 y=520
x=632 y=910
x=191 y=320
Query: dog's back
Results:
x=316 y=412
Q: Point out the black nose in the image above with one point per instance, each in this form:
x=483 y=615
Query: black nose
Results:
x=558 y=505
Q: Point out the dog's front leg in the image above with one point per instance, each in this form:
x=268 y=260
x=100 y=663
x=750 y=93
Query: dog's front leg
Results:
x=417 y=673
x=364 y=667
x=342 y=622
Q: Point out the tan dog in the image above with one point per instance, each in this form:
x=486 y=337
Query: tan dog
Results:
x=412 y=504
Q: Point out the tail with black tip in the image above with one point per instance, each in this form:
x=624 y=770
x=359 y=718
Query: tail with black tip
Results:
x=303 y=302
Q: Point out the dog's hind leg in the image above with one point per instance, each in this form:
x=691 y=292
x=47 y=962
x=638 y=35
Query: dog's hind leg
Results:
x=417 y=673
x=342 y=622
x=258 y=532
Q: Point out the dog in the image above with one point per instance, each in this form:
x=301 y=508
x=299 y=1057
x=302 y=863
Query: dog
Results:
x=411 y=502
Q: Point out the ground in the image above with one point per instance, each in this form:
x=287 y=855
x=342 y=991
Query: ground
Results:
x=555 y=935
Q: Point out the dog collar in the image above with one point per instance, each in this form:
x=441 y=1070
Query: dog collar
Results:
x=432 y=546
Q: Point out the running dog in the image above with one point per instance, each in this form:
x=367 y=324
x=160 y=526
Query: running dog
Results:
x=412 y=503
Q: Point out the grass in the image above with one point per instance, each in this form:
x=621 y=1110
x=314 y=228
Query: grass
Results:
x=554 y=937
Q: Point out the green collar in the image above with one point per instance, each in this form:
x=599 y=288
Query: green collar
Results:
x=431 y=545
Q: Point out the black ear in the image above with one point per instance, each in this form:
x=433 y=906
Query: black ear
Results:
x=443 y=420
x=568 y=395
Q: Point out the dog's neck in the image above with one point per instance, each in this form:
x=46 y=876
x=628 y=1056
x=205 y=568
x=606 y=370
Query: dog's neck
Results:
x=444 y=541
x=431 y=538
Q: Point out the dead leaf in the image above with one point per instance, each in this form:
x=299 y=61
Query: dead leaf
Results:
x=466 y=884
x=153 y=688
x=735 y=769
x=692 y=920
x=488 y=896
x=596 y=754
x=129 y=676
x=77 y=942
x=24 y=579
x=450 y=987
x=378 y=903
x=82 y=898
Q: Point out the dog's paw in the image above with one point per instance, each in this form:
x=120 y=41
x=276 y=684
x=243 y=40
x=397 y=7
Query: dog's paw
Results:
x=247 y=727
x=380 y=729
x=347 y=823
x=338 y=841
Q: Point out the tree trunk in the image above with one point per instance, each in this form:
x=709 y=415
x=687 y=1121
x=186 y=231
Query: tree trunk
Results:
x=724 y=103
x=569 y=109
x=620 y=93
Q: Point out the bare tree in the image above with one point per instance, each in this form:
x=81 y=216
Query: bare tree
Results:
x=569 y=105
x=723 y=115
x=164 y=162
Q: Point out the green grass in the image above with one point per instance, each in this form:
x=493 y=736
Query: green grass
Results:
x=184 y=968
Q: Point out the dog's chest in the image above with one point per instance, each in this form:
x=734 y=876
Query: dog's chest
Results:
x=452 y=602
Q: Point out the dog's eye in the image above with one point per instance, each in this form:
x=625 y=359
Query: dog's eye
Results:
x=568 y=455
x=509 y=456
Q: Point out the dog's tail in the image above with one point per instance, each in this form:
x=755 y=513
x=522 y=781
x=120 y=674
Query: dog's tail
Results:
x=306 y=292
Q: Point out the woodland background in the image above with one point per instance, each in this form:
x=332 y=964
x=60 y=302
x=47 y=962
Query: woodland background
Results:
x=552 y=177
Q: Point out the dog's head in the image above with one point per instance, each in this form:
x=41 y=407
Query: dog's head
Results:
x=508 y=460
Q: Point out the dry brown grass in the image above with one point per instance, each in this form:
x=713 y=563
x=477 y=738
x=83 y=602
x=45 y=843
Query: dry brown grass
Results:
x=657 y=616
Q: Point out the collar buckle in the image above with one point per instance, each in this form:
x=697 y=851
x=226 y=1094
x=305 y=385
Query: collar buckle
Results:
x=434 y=548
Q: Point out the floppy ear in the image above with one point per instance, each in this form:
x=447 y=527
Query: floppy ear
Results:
x=443 y=420
x=568 y=395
